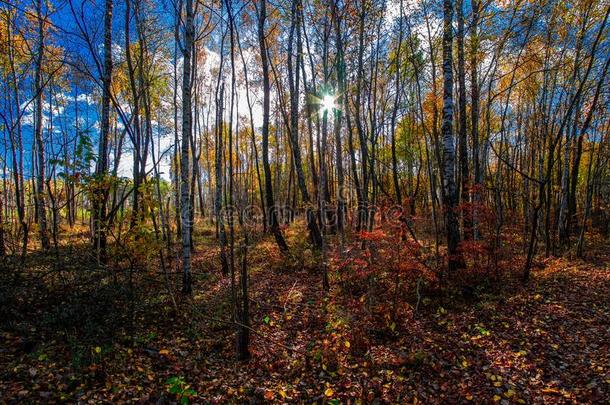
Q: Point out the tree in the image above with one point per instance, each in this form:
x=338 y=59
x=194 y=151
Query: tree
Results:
x=293 y=80
x=101 y=189
x=185 y=202
x=462 y=139
x=269 y=201
x=450 y=194
x=40 y=146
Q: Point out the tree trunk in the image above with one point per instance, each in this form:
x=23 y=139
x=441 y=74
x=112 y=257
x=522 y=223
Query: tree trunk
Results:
x=293 y=82
x=188 y=45
x=41 y=208
x=474 y=113
x=100 y=197
x=338 y=121
x=463 y=142
x=450 y=197
x=270 y=203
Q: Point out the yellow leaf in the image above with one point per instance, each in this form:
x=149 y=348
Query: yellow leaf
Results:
x=464 y=363
x=497 y=384
x=509 y=394
x=347 y=344
x=329 y=392
x=282 y=393
x=469 y=397
x=496 y=398
x=164 y=352
x=98 y=349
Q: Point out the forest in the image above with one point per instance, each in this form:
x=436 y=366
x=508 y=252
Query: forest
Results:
x=305 y=201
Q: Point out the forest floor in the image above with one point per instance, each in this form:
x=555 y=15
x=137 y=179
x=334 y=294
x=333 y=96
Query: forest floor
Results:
x=72 y=333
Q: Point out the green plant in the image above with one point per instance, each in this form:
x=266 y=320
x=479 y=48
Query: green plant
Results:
x=182 y=390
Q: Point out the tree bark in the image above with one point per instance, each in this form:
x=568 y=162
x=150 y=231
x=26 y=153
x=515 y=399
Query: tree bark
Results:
x=185 y=203
x=293 y=82
x=41 y=208
x=100 y=197
x=270 y=203
x=450 y=196
x=463 y=141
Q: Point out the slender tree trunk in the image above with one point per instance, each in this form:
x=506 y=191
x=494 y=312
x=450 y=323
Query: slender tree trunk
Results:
x=252 y=137
x=363 y=208
x=100 y=197
x=270 y=203
x=463 y=142
x=293 y=81
x=474 y=113
x=176 y=175
x=338 y=121
x=187 y=50
x=41 y=209
x=450 y=196
x=397 y=89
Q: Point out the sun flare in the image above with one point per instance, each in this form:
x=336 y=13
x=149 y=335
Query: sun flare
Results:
x=328 y=103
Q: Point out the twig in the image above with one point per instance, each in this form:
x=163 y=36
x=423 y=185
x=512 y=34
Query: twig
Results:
x=269 y=339
x=418 y=294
